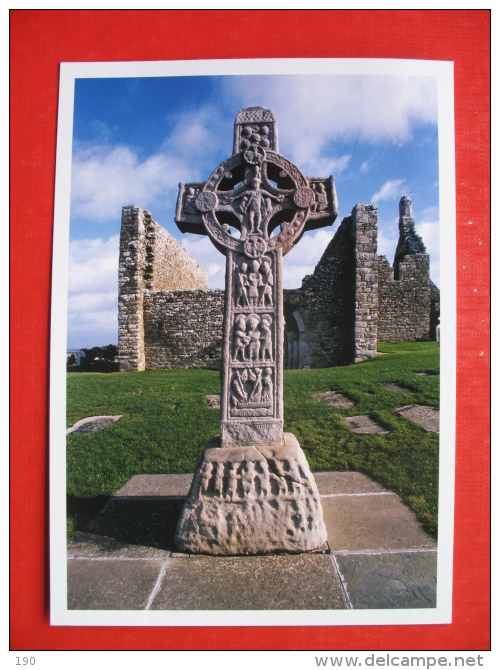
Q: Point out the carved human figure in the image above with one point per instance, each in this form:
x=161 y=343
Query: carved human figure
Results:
x=189 y=204
x=267 y=281
x=239 y=393
x=253 y=335
x=254 y=282
x=241 y=339
x=255 y=203
x=266 y=338
x=320 y=203
x=256 y=378
x=267 y=385
x=232 y=481
x=242 y=285
x=206 y=477
x=219 y=478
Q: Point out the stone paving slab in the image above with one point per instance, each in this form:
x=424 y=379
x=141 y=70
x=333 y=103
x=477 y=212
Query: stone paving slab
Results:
x=90 y=545
x=426 y=417
x=92 y=424
x=213 y=401
x=156 y=485
x=336 y=483
x=301 y=582
x=335 y=399
x=364 y=425
x=111 y=584
x=373 y=521
x=398 y=388
x=390 y=580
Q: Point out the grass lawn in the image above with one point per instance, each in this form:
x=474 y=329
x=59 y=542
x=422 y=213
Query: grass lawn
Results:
x=167 y=422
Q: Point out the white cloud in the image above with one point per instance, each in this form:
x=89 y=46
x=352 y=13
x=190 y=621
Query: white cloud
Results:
x=211 y=260
x=314 y=111
x=389 y=191
x=93 y=292
x=387 y=243
x=304 y=257
x=105 y=178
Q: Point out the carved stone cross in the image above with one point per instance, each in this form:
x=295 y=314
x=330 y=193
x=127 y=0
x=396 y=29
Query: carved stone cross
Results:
x=255 y=207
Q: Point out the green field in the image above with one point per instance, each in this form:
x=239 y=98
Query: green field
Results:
x=167 y=422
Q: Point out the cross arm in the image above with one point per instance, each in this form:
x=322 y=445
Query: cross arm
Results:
x=324 y=209
x=187 y=216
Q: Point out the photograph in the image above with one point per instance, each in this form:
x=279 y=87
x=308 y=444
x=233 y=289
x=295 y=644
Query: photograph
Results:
x=249 y=322
x=252 y=364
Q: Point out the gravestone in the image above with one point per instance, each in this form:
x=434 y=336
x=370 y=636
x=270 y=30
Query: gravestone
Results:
x=252 y=490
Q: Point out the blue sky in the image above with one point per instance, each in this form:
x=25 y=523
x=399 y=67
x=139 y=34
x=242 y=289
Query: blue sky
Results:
x=135 y=139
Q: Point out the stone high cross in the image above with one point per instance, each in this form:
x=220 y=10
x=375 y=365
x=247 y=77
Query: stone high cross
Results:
x=250 y=196
x=254 y=207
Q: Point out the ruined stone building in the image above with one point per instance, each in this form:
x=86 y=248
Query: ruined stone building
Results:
x=168 y=318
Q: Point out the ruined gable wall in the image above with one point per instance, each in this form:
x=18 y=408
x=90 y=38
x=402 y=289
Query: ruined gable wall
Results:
x=326 y=302
x=183 y=329
x=131 y=290
x=339 y=302
x=404 y=303
x=150 y=259
x=168 y=265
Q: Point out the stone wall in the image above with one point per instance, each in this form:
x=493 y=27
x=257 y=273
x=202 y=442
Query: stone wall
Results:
x=183 y=329
x=337 y=305
x=404 y=303
x=150 y=259
x=366 y=299
x=404 y=289
x=131 y=290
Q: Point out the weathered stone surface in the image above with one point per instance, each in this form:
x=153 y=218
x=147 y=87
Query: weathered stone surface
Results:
x=156 y=485
x=334 y=399
x=364 y=425
x=91 y=545
x=213 y=401
x=150 y=259
x=111 y=584
x=426 y=417
x=336 y=483
x=398 y=388
x=372 y=521
x=307 y=581
x=92 y=424
x=250 y=500
x=403 y=580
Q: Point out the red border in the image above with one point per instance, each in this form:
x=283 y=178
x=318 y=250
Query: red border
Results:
x=40 y=40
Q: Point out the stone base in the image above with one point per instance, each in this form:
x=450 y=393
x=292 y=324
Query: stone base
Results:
x=252 y=500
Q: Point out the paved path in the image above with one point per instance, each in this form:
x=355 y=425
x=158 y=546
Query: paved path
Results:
x=378 y=556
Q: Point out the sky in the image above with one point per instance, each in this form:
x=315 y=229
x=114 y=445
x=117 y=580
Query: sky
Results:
x=135 y=139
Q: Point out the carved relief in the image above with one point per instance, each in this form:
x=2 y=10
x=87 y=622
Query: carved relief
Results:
x=254 y=283
x=320 y=203
x=252 y=392
x=270 y=479
x=253 y=338
x=189 y=204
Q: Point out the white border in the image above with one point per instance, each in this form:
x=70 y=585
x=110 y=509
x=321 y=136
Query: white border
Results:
x=443 y=73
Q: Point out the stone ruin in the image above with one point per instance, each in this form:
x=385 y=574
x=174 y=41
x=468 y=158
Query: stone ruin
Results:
x=168 y=318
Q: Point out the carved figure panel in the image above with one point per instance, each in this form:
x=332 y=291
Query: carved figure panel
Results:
x=253 y=338
x=252 y=391
x=253 y=283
